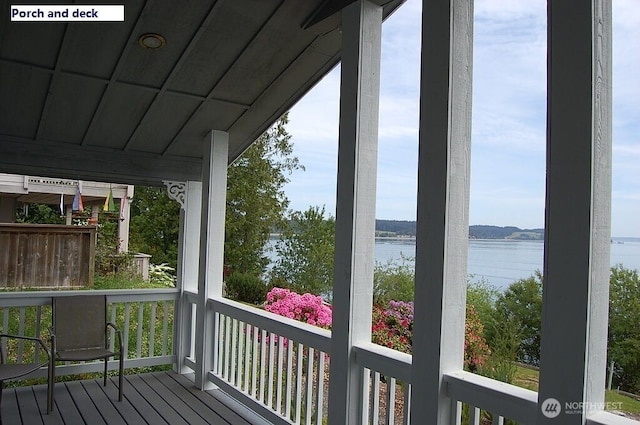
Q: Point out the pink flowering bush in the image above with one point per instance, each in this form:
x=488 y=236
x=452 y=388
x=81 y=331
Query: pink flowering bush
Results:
x=393 y=326
x=306 y=308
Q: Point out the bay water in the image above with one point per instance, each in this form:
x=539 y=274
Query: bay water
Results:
x=499 y=262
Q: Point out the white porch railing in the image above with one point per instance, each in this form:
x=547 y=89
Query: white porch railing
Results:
x=145 y=317
x=497 y=400
x=276 y=366
x=386 y=384
x=262 y=360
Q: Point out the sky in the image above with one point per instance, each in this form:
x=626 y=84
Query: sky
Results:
x=508 y=129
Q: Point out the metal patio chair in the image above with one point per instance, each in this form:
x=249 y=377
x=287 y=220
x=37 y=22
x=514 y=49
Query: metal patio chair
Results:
x=12 y=370
x=80 y=332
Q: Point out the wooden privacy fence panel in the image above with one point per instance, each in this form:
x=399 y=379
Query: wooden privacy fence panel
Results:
x=46 y=256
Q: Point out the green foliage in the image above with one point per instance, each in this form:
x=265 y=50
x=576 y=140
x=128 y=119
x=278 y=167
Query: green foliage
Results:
x=482 y=297
x=396 y=227
x=40 y=214
x=505 y=345
x=108 y=260
x=305 y=253
x=519 y=310
x=505 y=341
x=393 y=281
x=624 y=328
x=246 y=287
x=155 y=224
x=256 y=202
x=162 y=275
x=120 y=281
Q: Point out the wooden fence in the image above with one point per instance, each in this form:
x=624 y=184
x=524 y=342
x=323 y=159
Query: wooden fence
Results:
x=46 y=256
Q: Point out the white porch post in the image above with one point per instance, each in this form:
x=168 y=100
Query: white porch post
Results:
x=577 y=236
x=214 y=192
x=355 y=206
x=125 y=219
x=443 y=205
x=189 y=196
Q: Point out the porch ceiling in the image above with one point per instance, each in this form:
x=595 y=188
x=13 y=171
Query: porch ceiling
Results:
x=86 y=100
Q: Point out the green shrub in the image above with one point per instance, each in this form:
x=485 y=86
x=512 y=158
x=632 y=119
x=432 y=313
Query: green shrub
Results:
x=393 y=281
x=246 y=287
x=162 y=275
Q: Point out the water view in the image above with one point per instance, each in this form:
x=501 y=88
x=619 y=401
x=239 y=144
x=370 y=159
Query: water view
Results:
x=499 y=262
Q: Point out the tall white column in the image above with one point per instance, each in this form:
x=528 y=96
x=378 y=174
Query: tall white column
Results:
x=189 y=196
x=578 y=210
x=355 y=206
x=443 y=205
x=214 y=192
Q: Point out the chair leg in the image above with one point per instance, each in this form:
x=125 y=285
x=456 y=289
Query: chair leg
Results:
x=1 y=391
x=120 y=378
x=105 y=371
x=51 y=385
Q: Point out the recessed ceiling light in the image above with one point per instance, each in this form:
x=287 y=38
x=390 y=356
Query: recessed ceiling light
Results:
x=152 y=41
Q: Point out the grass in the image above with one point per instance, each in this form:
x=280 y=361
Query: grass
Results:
x=627 y=404
x=529 y=378
x=122 y=281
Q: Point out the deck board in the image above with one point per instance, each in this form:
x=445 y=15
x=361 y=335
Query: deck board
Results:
x=149 y=399
x=221 y=409
x=207 y=415
x=29 y=408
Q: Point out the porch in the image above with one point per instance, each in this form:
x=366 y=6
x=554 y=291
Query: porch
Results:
x=265 y=369
x=181 y=115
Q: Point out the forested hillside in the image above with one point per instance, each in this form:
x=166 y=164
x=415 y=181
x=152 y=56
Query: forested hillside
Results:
x=403 y=228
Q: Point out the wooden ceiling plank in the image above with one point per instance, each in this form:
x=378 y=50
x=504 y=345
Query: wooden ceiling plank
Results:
x=176 y=68
x=134 y=30
x=210 y=95
x=52 y=84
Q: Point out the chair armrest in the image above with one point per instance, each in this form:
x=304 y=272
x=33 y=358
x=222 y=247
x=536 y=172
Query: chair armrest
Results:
x=29 y=338
x=118 y=333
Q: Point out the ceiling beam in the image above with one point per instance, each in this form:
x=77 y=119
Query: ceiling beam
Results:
x=23 y=156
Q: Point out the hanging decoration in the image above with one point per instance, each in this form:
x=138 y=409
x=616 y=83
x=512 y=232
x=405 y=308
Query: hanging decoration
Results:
x=109 y=204
x=77 y=201
x=122 y=208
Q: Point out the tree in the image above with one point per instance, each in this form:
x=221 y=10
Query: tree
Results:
x=256 y=202
x=155 y=224
x=393 y=281
x=305 y=253
x=40 y=214
x=519 y=310
x=482 y=296
x=624 y=327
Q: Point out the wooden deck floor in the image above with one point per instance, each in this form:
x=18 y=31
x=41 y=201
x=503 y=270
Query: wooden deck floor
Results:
x=152 y=398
